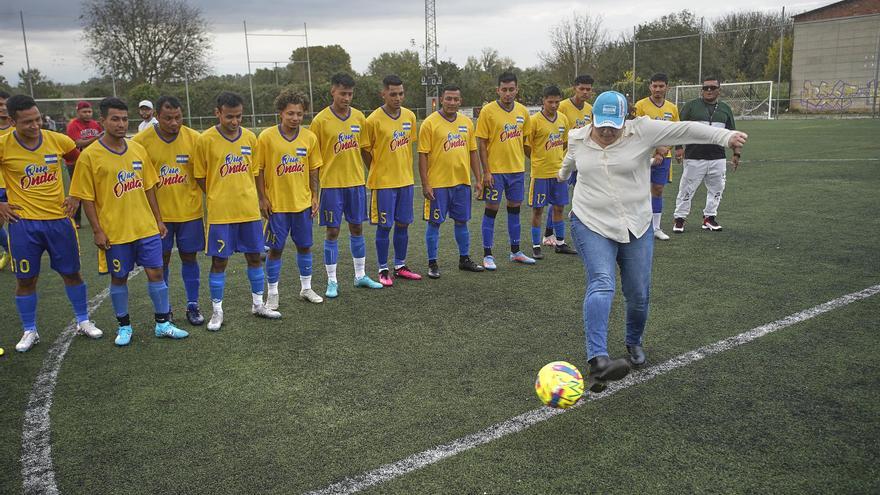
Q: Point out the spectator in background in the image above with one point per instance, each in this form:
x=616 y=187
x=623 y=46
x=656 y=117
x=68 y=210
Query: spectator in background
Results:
x=145 y=108
x=84 y=130
x=49 y=124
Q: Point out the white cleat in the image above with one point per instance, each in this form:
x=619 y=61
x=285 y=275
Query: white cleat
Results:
x=89 y=329
x=310 y=296
x=28 y=340
x=263 y=312
x=660 y=235
x=272 y=301
x=216 y=321
x=550 y=240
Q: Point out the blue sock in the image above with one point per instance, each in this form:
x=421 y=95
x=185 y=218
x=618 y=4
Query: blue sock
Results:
x=488 y=231
x=383 y=241
x=27 y=309
x=559 y=227
x=119 y=298
x=401 y=243
x=656 y=204
x=165 y=270
x=257 y=279
x=273 y=270
x=78 y=297
x=191 y=281
x=331 y=252
x=4 y=239
x=432 y=239
x=304 y=262
x=462 y=238
x=536 y=236
x=514 y=228
x=358 y=246
x=217 y=281
x=159 y=294
x=550 y=222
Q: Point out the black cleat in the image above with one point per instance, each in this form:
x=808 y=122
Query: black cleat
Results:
x=433 y=270
x=565 y=249
x=194 y=316
x=468 y=265
x=536 y=253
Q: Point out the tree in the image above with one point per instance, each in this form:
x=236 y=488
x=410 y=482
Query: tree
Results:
x=4 y=84
x=740 y=41
x=325 y=61
x=146 y=41
x=678 y=58
x=771 y=68
x=575 y=46
x=43 y=86
x=404 y=64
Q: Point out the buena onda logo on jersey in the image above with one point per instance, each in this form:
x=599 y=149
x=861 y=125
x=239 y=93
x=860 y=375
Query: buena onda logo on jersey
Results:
x=289 y=165
x=233 y=164
x=554 y=140
x=454 y=140
x=399 y=139
x=125 y=182
x=37 y=175
x=510 y=131
x=346 y=141
x=170 y=176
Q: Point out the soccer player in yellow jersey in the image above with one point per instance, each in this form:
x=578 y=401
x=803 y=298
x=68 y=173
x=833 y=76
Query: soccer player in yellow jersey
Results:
x=386 y=148
x=224 y=168
x=39 y=216
x=658 y=107
x=546 y=149
x=5 y=128
x=170 y=145
x=117 y=185
x=502 y=132
x=447 y=156
x=288 y=160
x=338 y=128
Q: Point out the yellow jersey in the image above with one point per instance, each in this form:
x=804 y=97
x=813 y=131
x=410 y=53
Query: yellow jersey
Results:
x=4 y=131
x=389 y=141
x=577 y=117
x=33 y=177
x=227 y=165
x=667 y=111
x=285 y=165
x=117 y=182
x=339 y=139
x=179 y=197
x=448 y=144
x=547 y=142
x=505 y=133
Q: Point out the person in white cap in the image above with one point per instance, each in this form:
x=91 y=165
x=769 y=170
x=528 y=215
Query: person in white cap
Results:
x=145 y=108
x=611 y=217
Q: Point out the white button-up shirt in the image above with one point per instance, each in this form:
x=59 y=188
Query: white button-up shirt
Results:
x=613 y=192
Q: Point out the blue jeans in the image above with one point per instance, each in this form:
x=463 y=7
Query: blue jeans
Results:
x=600 y=255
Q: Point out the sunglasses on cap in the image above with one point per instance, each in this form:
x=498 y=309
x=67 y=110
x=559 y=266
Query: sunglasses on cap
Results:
x=710 y=88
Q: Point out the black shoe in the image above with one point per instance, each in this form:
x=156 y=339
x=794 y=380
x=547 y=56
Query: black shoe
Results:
x=536 y=253
x=194 y=316
x=637 y=357
x=709 y=223
x=468 y=265
x=678 y=226
x=565 y=249
x=604 y=369
x=433 y=270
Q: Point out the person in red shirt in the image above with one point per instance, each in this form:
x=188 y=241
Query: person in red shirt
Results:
x=84 y=130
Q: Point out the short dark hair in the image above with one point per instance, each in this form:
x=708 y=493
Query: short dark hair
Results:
x=291 y=97
x=111 y=102
x=229 y=99
x=17 y=103
x=710 y=77
x=507 y=77
x=552 y=91
x=584 y=79
x=343 y=80
x=4 y=94
x=392 y=80
x=167 y=101
x=660 y=77
x=450 y=87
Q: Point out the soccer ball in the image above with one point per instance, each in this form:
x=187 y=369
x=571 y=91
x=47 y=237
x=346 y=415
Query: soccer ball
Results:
x=559 y=385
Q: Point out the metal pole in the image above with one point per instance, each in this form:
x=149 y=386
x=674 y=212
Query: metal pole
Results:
x=309 y=68
x=276 y=74
x=876 y=76
x=633 y=96
x=113 y=81
x=700 y=70
x=27 y=59
x=247 y=51
x=779 y=67
x=186 y=86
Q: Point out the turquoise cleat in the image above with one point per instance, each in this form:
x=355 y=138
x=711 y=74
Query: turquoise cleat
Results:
x=123 y=336
x=367 y=282
x=168 y=330
x=332 y=290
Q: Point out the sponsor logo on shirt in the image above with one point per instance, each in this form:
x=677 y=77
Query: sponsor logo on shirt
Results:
x=345 y=141
x=554 y=140
x=510 y=131
x=289 y=165
x=399 y=139
x=126 y=182
x=170 y=176
x=454 y=140
x=37 y=175
x=234 y=164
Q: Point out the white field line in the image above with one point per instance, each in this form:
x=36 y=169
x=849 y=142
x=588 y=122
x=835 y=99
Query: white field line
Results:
x=809 y=160
x=516 y=424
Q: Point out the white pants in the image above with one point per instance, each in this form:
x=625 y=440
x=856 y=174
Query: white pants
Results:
x=713 y=173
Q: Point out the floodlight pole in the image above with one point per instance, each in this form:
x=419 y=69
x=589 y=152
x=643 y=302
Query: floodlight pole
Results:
x=779 y=64
x=876 y=76
x=309 y=68
x=250 y=77
x=186 y=87
x=27 y=58
x=633 y=97
x=700 y=69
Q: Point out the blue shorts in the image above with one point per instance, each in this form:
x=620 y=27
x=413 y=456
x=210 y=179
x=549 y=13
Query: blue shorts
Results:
x=190 y=236
x=28 y=239
x=392 y=205
x=662 y=174
x=226 y=239
x=573 y=179
x=543 y=191
x=338 y=200
x=3 y=198
x=453 y=201
x=512 y=185
x=120 y=259
x=297 y=225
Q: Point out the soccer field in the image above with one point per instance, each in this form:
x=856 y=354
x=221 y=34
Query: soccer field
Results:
x=333 y=391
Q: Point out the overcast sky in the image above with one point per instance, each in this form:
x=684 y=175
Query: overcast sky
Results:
x=519 y=30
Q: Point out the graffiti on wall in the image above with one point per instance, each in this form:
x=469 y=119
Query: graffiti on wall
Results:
x=837 y=96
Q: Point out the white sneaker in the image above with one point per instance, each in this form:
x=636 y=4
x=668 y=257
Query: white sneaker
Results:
x=89 y=329
x=28 y=340
x=272 y=301
x=550 y=240
x=659 y=234
x=263 y=312
x=310 y=296
x=216 y=321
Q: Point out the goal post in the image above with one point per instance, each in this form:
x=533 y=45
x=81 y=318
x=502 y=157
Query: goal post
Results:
x=749 y=100
x=62 y=110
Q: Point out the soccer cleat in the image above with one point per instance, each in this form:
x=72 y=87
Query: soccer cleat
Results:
x=468 y=265
x=310 y=296
x=367 y=282
x=536 y=253
x=123 y=336
x=433 y=270
x=89 y=329
x=385 y=278
x=489 y=263
x=709 y=223
x=4 y=260
x=678 y=226
x=564 y=248
x=194 y=315
x=263 y=312
x=520 y=257
x=168 y=330
x=660 y=235
x=28 y=340
x=550 y=240
x=216 y=321
x=272 y=301
x=404 y=272
x=332 y=290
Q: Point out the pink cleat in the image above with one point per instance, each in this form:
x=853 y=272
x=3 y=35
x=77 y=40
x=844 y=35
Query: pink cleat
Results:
x=385 y=278
x=404 y=272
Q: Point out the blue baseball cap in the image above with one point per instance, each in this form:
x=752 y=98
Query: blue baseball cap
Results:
x=609 y=110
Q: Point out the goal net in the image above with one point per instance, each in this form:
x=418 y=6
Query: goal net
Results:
x=748 y=100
